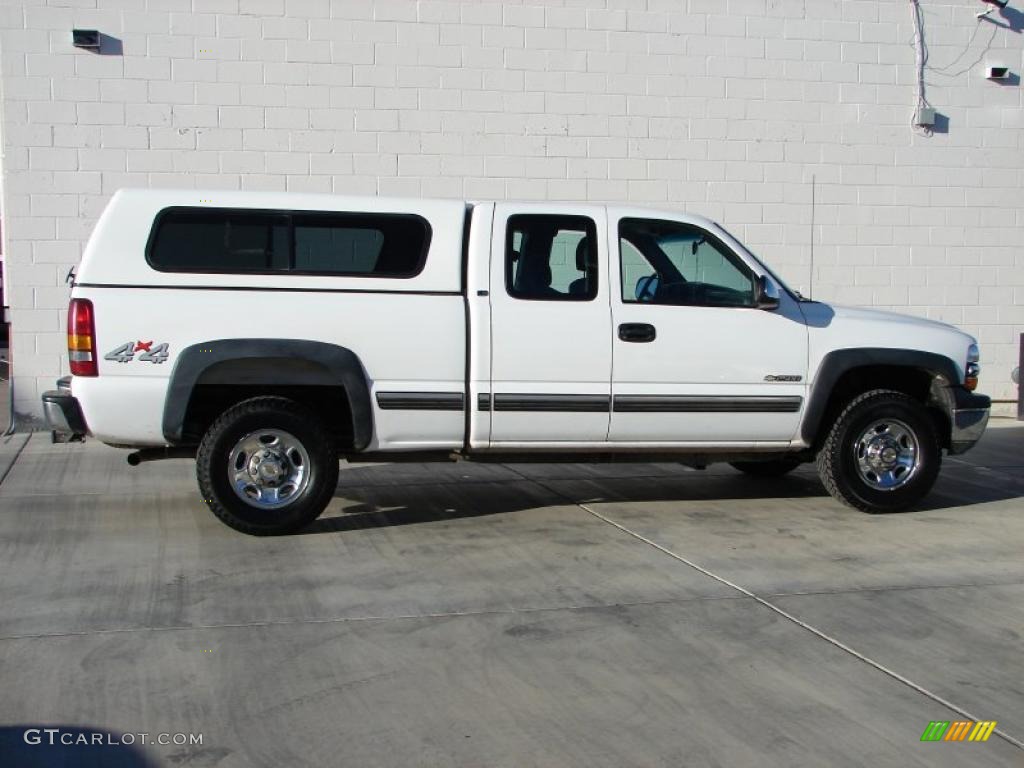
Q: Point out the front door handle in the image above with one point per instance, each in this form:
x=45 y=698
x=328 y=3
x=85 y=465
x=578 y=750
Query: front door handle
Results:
x=637 y=332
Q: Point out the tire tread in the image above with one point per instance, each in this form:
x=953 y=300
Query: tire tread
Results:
x=828 y=457
x=252 y=406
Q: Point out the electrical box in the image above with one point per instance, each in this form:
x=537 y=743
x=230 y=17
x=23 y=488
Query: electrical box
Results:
x=925 y=117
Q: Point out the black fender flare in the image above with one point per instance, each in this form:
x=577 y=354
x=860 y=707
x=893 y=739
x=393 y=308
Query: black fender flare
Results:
x=840 y=361
x=342 y=364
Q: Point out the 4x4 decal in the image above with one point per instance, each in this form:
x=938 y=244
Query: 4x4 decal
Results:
x=150 y=354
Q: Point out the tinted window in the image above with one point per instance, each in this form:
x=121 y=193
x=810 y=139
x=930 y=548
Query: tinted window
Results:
x=222 y=242
x=667 y=262
x=551 y=257
x=380 y=245
x=391 y=246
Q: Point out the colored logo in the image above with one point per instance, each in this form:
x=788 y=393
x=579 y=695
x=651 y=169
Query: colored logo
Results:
x=958 y=730
x=150 y=354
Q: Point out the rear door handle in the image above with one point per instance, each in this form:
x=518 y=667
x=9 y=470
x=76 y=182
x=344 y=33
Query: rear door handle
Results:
x=637 y=332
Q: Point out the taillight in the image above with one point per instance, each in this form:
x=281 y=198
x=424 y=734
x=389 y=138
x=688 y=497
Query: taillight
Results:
x=82 y=338
x=973 y=369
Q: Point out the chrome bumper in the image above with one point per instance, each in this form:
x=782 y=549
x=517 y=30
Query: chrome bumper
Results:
x=968 y=421
x=63 y=414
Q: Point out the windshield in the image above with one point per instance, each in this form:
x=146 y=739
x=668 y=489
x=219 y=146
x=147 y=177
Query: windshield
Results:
x=768 y=270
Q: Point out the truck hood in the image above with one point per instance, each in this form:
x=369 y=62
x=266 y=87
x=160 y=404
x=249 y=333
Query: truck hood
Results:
x=860 y=314
x=833 y=327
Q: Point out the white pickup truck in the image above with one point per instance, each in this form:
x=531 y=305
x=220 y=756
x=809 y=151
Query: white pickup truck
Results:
x=269 y=335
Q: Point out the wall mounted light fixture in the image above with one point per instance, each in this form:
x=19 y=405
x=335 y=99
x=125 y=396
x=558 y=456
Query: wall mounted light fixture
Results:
x=89 y=39
x=995 y=4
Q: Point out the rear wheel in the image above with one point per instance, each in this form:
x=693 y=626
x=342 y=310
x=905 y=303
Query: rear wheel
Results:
x=266 y=467
x=769 y=468
x=882 y=454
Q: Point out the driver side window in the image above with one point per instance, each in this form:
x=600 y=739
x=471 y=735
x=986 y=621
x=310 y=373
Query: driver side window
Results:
x=668 y=262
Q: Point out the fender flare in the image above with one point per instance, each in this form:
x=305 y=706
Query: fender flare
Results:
x=342 y=365
x=840 y=361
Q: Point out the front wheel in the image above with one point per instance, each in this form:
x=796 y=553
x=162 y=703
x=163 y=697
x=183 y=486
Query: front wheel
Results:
x=882 y=454
x=267 y=467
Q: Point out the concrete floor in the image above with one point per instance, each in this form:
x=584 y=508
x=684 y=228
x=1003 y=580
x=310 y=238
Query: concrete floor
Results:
x=475 y=615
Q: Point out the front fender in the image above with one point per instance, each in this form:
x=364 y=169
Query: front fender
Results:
x=840 y=361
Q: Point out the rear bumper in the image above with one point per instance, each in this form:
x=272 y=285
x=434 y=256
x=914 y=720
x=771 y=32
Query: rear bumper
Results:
x=968 y=419
x=62 y=412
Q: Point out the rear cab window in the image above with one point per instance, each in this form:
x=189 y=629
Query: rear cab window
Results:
x=551 y=257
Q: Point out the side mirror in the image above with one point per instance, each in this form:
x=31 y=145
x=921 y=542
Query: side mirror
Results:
x=646 y=288
x=766 y=293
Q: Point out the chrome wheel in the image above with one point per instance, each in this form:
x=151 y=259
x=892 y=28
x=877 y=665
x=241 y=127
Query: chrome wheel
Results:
x=887 y=454
x=268 y=468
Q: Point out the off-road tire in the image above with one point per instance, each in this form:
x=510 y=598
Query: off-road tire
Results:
x=837 y=461
x=770 y=468
x=212 y=465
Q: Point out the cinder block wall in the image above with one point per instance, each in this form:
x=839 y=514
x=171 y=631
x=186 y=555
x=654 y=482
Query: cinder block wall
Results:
x=728 y=108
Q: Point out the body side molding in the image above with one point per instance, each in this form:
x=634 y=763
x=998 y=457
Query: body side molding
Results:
x=639 y=403
x=420 y=401
x=701 y=404
x=552 y=403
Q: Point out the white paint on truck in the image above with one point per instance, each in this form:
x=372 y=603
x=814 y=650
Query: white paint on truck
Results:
x=552 y=329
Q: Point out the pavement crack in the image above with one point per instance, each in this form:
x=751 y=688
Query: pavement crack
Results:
x=14 y=461
x=784 y=614
x=355 y=619
x=810 y=628
x=893 y=588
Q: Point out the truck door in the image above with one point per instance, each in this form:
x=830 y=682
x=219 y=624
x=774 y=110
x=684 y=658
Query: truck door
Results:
x=551 y=348
x=695 y=361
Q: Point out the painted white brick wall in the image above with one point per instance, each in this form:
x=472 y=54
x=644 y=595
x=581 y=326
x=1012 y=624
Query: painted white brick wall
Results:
x=723 y=107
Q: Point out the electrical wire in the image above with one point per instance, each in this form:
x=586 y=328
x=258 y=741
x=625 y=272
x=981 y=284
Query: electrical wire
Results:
x=921 y=61
x=945 y=71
